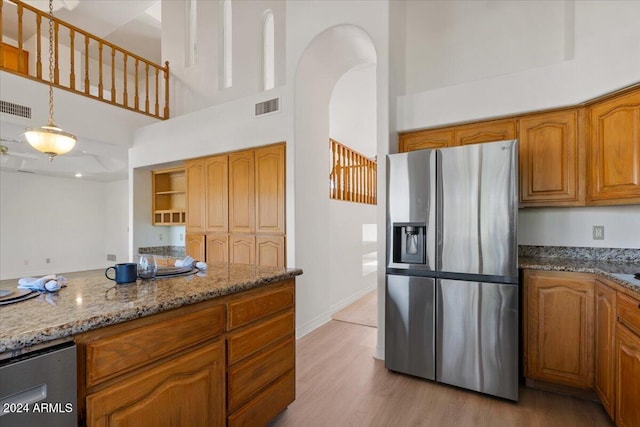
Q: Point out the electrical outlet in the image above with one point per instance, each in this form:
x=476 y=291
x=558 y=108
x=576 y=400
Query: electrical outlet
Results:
x=181 y=237
x=598 y=232
x=48 y=260
x=111 y=257
x=160 y=236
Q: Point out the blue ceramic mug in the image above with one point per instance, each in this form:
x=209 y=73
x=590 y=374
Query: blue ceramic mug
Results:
x=126 y=272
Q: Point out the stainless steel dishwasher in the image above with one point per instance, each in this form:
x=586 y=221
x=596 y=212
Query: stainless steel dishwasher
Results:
x=39 y=388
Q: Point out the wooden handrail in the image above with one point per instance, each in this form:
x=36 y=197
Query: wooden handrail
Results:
x=353 y=176
x=65 y=73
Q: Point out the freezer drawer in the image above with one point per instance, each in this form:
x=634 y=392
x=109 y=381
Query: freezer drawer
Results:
x=477 y=336
x=409 y=325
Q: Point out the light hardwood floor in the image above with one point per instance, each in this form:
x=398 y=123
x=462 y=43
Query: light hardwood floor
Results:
x=339 y=383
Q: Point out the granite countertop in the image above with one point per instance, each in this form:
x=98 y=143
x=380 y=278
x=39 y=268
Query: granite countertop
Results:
x=618 y=272
x=164 y=251
x=91 y=301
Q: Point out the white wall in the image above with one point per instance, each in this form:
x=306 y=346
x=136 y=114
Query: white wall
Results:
x=58 y=218
x=116 y=216
x=573 y=226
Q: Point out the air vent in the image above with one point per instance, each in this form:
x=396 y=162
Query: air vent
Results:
x=267 y=106
x=15 y=109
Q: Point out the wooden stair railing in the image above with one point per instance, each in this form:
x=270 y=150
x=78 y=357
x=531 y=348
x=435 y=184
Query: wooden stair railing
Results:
x=353 y=176
x=150 y=81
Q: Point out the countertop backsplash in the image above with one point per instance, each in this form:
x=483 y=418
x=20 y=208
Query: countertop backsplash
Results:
x=581 y=253
x=164 y=251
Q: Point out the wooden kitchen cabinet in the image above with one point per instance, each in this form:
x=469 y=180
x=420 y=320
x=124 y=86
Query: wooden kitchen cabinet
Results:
x=270 y=250
x=269 y=188
x=242 y=192
x=217 y=194
x=615 y=150
x=242 y=249
x=418 y=140
x=559 y=324
x=552 y=159
x=159 y=395
x=195 y=172
x=605 y=328
x=217 y=248
x=495 y=130
x=194 y=246
x=628 y=362
x=168 y=196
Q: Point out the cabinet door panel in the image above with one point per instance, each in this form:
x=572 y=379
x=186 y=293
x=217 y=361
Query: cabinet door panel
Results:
x=194 y=246
x=217 y=248
x=615 y=149
x=195 y=197
x=241 y=192
x=270 y=173
x=425 y=139
x=217 y=197
x=497 y=130
x=605 y=324
x=562 y=355
x=627 y=378
x=242 y=249
x=270 y=250
x=551 y=162
x=186 y=391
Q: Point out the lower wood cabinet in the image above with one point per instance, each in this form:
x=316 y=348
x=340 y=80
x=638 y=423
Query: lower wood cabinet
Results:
x=605 y=362
x=185 y=391
x=242 y=249
x=628 y=362
x=194 y=246
x=559 y=327
x=217 y=248
x=270 y=251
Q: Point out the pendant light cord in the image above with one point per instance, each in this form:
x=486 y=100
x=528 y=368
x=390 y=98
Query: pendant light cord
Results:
x=51 y=62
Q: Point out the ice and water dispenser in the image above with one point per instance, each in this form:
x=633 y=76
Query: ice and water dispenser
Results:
x=409 y=242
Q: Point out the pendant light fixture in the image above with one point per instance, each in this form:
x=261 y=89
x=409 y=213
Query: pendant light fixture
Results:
x=50 y=139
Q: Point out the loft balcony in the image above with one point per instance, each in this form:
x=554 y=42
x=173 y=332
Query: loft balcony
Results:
x=83 y=63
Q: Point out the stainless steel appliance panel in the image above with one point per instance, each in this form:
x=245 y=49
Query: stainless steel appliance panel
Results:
x=477 y=209
x=411 y=200
x=477 y=342
x=410 y=325
x=40 y=389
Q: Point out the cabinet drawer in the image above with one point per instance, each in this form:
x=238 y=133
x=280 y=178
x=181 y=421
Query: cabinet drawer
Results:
x=629 y=311
x=248 y=378
x=254 y=307
x=117 y=354
x=267 y=404
x=247 y=342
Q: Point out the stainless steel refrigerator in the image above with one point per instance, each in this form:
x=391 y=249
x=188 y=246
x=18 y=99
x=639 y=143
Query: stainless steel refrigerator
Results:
x=452 y=274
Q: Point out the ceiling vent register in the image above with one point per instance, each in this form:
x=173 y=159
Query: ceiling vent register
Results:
x=269 y=106
x=15 y=109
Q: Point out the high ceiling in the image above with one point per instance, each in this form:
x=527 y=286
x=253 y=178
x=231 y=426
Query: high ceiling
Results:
x=131 y=24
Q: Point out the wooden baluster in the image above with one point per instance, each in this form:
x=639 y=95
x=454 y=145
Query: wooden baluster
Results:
x=340 y=181
x=157 y=94
x=39 y=46
x=20 y=51
x=56 y=69
x=87 y=82
x=350 y=176
x=136 y=98
x=100 y=77
x=166 y=89
x=113 y=74
x=146 y=79
x=125 y=95
x=72 y=74
x=332 y=174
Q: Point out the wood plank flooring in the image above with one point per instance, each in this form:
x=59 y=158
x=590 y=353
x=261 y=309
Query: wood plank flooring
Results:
x=339 y=383
x=361 y=312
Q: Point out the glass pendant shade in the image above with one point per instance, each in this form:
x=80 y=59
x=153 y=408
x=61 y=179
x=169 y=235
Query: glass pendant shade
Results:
x=50 y=140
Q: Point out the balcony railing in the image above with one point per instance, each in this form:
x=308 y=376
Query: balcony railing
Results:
x=83 y=63
x=353 y=176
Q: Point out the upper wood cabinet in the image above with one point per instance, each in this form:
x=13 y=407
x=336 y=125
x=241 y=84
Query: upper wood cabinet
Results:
x=425 y=139
x=242 y=192
x=195 y=172
x=559 y=321
x=496 y=130
x=615 y=150
x=217 y=194
x=552 y=159
x=269 y=178
x=605 y=327
x=168 y=196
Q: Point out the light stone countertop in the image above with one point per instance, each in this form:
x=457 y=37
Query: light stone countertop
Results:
x=618 y=272
x=91 y=301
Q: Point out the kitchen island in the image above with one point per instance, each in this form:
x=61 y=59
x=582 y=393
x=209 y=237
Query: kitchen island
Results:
x=211 y=348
